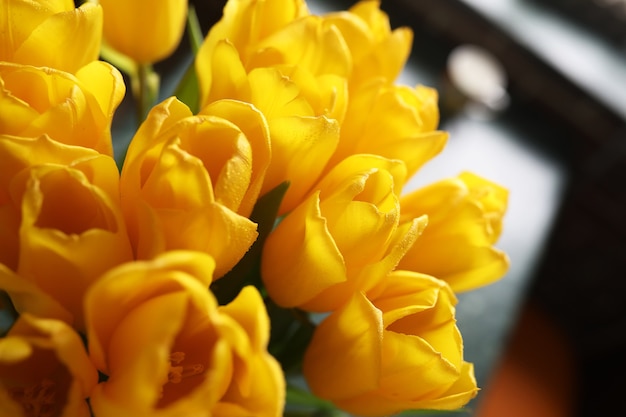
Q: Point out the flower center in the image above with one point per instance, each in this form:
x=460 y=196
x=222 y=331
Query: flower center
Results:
x=37 y=400
x=178 y=371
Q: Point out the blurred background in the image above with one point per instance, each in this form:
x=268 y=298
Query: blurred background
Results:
x=533 y=94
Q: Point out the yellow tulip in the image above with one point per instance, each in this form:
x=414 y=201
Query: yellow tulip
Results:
x=308 y=53
x=50 y=33
x=302 y=140
x=398 y=351
x=464 y=222
x=342 y=239
x=169 y=350
x=397 y=122
x=244 y=24
x=44 y=370
x=72 y=109
x=19 y=155
x=146 y=31
x=61 y=212
x=189 y=182
x=376 y=50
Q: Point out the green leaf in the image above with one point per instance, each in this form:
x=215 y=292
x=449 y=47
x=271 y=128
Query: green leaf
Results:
x=145 y=86
x=300 y=402
x=188 y=87
x=247 y=271
x=290 y=335
x=8 y=314
x=194 y=30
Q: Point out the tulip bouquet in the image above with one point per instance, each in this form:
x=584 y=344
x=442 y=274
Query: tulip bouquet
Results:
x=256 y=253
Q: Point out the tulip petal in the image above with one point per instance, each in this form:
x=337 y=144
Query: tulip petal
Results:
x=302 y=145
x=300 y=258
x=308 y=42
x=465 y=220
x=254 y=126
x=106 y=84
x=356 y=331
x=76 y=40
x=229 y=70
x=28 y=298
x=152 y=326
x=16 y=115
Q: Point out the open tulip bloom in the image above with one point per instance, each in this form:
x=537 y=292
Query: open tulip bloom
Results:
x=255 y=254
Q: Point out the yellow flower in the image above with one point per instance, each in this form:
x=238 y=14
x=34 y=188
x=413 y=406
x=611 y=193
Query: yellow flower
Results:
x=397 y=122
x=302 y=140
x=72 y=109
x=146 y=31
x=189 y=182
x=309 y=53
x=342 y=239
x=50 y=33
x=376 y=50
x=155 y=330
x=398 y=351
x=60 y=209
x=44 y=370
x=244 y=24
x=464 y=222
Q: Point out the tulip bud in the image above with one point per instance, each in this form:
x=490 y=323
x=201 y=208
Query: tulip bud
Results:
x=342 y=239
x=189 y=182
x=146 y=31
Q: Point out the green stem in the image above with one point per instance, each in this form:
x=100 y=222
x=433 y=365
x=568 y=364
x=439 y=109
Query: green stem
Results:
x=145 y=92
x=305 y=404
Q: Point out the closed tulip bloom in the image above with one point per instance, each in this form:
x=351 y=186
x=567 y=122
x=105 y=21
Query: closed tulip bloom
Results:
x=189 y=182
x=398 y=351
x=44 y=370
x=51 y=33
x=376 y=50
x=342 y=239
x=464 y=223
x=72 y=109
x=146 y=31
x=168 y=350
x=302 y=136
x=244 y=24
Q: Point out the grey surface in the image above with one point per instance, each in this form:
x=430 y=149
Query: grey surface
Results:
x=536 y=183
